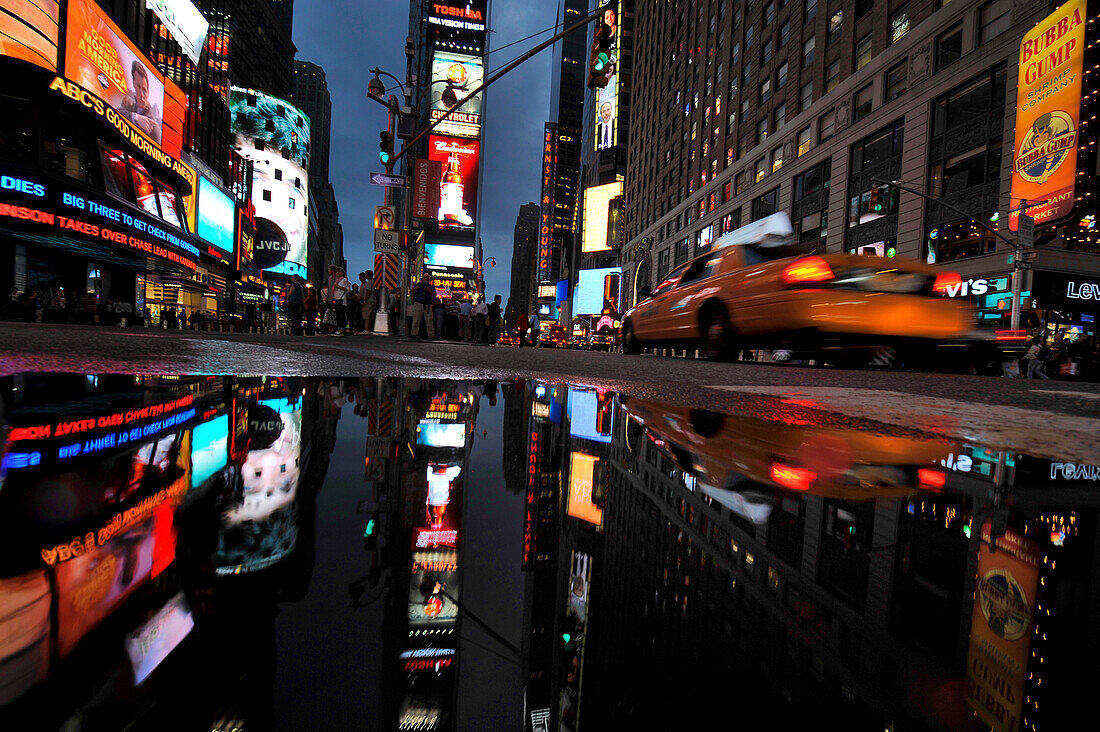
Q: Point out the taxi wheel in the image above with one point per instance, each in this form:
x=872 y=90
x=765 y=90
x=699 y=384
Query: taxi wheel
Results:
x=717 y=335
x=631 y=345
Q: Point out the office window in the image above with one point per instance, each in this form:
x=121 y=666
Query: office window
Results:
x=996 y=18
x=731 y=221
x=862 y=103
x=781 y=75
x=761 y=130
x=897 y=79
x=777 y=159
x=765 y=205
x=877 y=148
x=805 y=141
x=811 y=10
x=808 y=51
x=735 y=55
x=663 y=263
x=727 y=191
x=899 y=23
x=832 y=76
x=766 y=51
x=949 y=47
x=784 y=33
x=836 y=26
x=863 y=51
x=761 y=169
x=769 y=13
x=805 y=96
x=813 y=226
x=780 y=117
x=746 y=74
x=748 y=39
x=826 y=126
x=765 y=91
x=729 y=156
x=863 y=7
x=739 y=182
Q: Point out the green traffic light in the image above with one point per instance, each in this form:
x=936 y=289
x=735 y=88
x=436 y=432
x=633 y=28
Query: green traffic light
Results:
x=995 y=217
x=566 y=637
x=369 y=530
x=602 y=60
x=966 y=531
x=384 y=157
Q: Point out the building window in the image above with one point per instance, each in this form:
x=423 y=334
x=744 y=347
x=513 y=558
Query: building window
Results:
x=663 y=260
x=826 y=126
x=267 y=195
x=769 y=13
x=982 y=96
x=766 y=51
x=836 y=26
x=784 y=33
x=729 y=156
x=814 y=226
x=681 y=252
x=731 y=220
x=278 y=174
x=765 y=91
x=832 y=76
x=996 y=18
x=777 y=159
x=899 y=23
x=896 y=81
x=808 y=52
x=805 y=141
x=765 y=205
x=863 y=51
x=748 y=39
x=761 y=169
x=780 y=117
x=949 y=47
x=746 y=74
x=739 y=183
x=726 y=191
x=805 y=96
x=703 y=207
x=735 y=55
x=863 y=7
x=815 y=180
x=781 y=75
x=761 y=130
x=863 y=103
x=877 y=148
x=811 y=10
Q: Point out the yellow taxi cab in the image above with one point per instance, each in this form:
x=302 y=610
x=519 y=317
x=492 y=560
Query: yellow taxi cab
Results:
x=757 y=289
x=553 y=336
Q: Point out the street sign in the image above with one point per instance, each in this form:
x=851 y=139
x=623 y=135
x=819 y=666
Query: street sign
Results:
x=384 y=217
x=379 y=447
x=1024 y=265
x=1025 y=234
x=1029 y=256
x=387 y=242
x=393 y=181
x=1011 y=258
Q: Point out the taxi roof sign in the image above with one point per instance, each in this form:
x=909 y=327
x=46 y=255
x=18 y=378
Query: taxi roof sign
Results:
x=774 y=230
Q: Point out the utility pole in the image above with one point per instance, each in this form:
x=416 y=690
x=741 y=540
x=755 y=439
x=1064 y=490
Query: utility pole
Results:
x=1025 y=239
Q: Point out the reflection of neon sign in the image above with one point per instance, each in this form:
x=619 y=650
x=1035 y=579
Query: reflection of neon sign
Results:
x=41 y=432
x=121 y=438
x=438 y=537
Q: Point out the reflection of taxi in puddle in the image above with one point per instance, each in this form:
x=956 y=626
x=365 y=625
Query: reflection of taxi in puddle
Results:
x=758 y=289
x=740 y=459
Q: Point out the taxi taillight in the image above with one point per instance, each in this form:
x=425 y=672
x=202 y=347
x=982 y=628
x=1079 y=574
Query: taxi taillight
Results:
x=807 y=269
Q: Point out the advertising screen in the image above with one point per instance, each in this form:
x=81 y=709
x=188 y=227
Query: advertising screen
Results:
x=29 y=31
x=441 y=518
x=458 y=15
x=448 y=283
x=434 y=577
x=150 y=644
x=215 y=216
x=449 y=255
x=1048 y=114
x=607 y=98
x=209 y=449
x=454 y=76
x=458 y=184
x=100 y=58
x=590 y=418
x=274 y=135
x=185 y=22
x=596 y=290
x=597 y=202
x=582 y=472
x=431 y=434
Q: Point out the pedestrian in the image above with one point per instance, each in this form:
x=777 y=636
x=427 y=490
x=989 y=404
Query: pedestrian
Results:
x=494 y=320
x=465 y=314
x=437 y=313
x=309 y=309
x=294 y=299
x=481 y=314
x=338 y=292
x=1036 y=359
x=368 y=301
x=450 y=318
x=521 y=326
x=536 y=329
x=421 y=309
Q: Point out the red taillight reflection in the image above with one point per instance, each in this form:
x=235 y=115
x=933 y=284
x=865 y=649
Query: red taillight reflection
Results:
x=797 y=479
x=1011 y=335
x=931 y=479
x=807 y=269
x=947 y=280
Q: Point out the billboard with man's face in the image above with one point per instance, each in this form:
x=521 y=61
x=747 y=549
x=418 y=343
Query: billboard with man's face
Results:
x=607 y=99
x=454 y=77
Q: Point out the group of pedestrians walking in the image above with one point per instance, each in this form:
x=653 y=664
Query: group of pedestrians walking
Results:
x=456 y=318
x=1070 y=356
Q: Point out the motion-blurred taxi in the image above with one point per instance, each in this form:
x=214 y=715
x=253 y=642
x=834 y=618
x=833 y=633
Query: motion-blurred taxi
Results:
x=553 y=336
x=508 y=339
x=758 y=289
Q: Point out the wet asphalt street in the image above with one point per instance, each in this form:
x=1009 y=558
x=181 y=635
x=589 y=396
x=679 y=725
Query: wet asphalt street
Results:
x=1057 y=418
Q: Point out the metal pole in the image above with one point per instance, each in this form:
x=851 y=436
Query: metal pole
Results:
x=1017 y=273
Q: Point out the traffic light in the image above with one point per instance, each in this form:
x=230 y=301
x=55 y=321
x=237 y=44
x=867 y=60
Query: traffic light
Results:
x=600 y=56
x=385 y=148
x=875 y=205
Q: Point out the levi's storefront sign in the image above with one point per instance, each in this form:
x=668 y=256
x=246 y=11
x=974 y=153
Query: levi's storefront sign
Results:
x=32 y=205
x=1077 y=293
x=1048 y=114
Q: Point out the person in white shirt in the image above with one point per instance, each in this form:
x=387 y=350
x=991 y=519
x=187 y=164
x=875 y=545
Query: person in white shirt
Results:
x=481 y=313
x=439 y=491
x=536 y=329
x=465 y=311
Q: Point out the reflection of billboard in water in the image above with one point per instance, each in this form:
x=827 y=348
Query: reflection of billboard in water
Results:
x=433 y=434
x=434 y=576
x=582 y=474
x=442 y=508
x=591 y=415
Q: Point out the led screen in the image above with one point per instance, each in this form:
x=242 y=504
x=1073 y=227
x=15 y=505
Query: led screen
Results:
x=452 y=434
x=597 y=289
x=458 y=183
x=274 y=135
x=216 y=216
x=454 y=76
x=433 y=588
x=29 y=30
x=582 y=471
x=186 y=23
x=100 y=58
x=449 y=255
x=589 y=419
x=607 y=98
x=209 y=449
x=150 y=644
x=597 y=201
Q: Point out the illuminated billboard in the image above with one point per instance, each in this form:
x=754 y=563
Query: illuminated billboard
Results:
x=442 y=508
x=607 y=98
x=457 y=15
x=432 y=434
x=449 y=255
x=29 y=31
x=185 y=22
x=591 y=415
x=1048 y=114
x=582 y=472
x=597 y=203
x=215 y=216
x=596 y=290
x=454 y=76
x=433 y=584
x=274 y=135
x=458 y=184
x=100 y=58
x=209 y=449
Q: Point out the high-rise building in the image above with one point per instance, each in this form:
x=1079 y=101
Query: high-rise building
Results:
x=753 y=108
x=524 y=248
x=261 y=52
x=311 y=95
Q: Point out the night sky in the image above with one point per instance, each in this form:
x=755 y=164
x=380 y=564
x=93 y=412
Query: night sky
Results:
x=347 y=37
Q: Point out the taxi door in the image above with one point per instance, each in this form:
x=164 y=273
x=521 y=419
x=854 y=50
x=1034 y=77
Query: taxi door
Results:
x=650 y=319
x=697 y=284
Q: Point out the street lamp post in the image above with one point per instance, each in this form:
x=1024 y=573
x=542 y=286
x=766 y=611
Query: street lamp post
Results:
x=481 y=274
